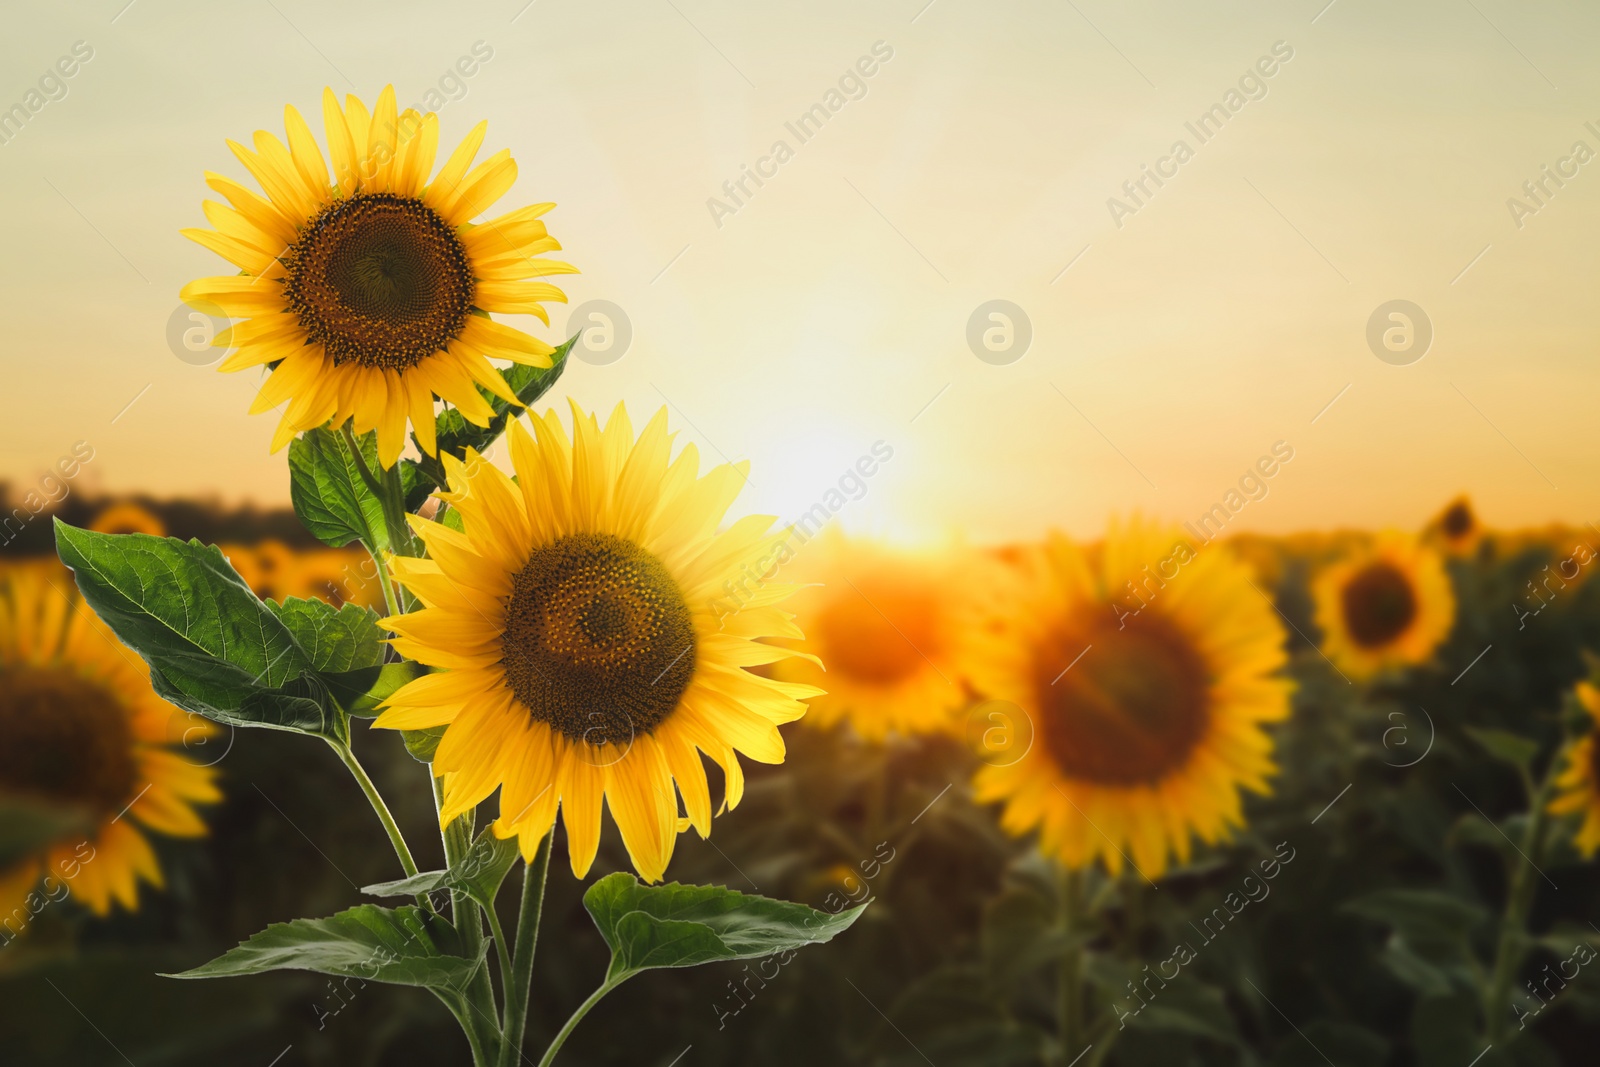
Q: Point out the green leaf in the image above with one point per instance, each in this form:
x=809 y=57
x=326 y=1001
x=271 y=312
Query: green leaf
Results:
x=215 y=648
x=1429 y=944
x=677 y=925
x=1506 y=746
x=456 y=434
x=391 y=676
x=27 y=826
x=400 y=946
x=422 y=744
x=330 y=496
x=337 y=639
x=345 y=644
x=1424 y=913
x=478 y=873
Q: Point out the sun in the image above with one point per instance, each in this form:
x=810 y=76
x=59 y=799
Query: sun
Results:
x=367 y=288
x=585 y=652
x=1145 y=714
x=1387 y=607
x=1578 y=785
x=888 y=625
x=82 y=731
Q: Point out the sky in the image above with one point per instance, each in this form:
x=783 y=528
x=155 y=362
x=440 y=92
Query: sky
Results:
x=1175 y=334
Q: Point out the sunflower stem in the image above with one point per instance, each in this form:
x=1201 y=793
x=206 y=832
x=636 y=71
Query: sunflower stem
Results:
x=396 y=838
x=482 y=1021
x=1070 y=1021
x=385 y=582
x=519 y=983
x=1513 y=922
x=347 y=756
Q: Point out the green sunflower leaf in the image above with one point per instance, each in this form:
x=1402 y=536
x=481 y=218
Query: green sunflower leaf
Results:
x=456 y=434
x=677 y=925
x=391 y=676
x=400 y=946
x=478 y=874
x=422 y=744
x=1506 y=746
x=214 y=647
x=337 y=639
x=330 y=495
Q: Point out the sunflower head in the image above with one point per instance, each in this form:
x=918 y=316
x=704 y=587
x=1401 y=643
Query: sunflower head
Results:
x=128 y=517
x=888 y=623
x=367 y=288
x=1389 y=606
x=1457 y=527
x=80 y=729
x=1578 y=785
x=585 y=653
x=1147 y=672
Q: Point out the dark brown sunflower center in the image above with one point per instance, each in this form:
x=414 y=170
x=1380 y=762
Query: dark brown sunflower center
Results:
x=64 y=738
x=379 y=280
x=1130 y=710
x=1457 y=521
x=879 y=635
x=1379 y=604
x=599 y=642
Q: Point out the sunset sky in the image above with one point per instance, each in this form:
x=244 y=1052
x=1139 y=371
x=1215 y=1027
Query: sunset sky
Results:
x=1171 y=346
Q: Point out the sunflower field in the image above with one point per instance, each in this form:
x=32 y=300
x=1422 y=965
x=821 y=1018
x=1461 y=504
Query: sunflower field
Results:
x=517 y=704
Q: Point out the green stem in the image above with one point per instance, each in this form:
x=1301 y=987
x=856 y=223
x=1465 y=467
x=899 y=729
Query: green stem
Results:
x=519 y=982
x=1070 y=1021
x=385 y=582
x=577 y=1017
x=497 y=931
x=1513 y=923
x=396 y=838
x=478 y=997
x=480 y=1058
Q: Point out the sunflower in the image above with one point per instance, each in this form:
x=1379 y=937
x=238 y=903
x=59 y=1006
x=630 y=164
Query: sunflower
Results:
x=887 y=624
x=1578 y=785
x=367 y=290
x=1146 y=673
x=128 y=518
x=1388 y=606
x=584 y=656
x=1457 y=527
x=81 y=730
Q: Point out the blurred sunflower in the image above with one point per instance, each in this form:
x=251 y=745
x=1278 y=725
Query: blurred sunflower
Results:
x=576 y=619
x=887 y=624
x=128 y=517
x=81 y=729
x=1457 y=528
x=367 y=291
x=1389 y=605
x=1147 y=702
x=1578 y=786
